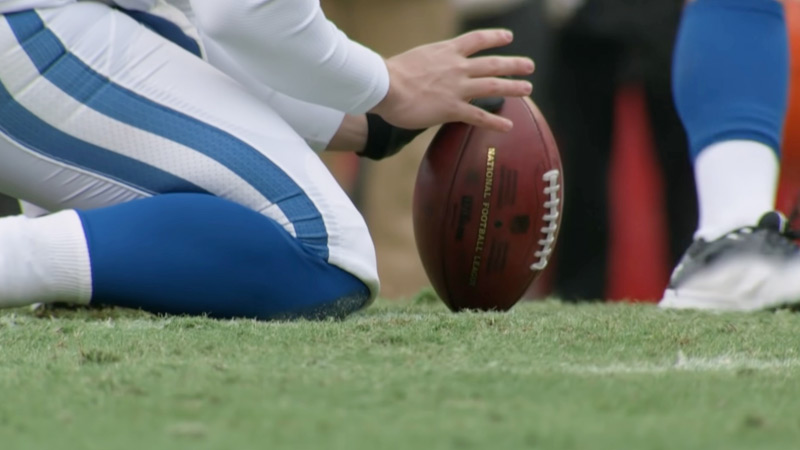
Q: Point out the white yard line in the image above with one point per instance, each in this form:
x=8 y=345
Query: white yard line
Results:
x=682 y=363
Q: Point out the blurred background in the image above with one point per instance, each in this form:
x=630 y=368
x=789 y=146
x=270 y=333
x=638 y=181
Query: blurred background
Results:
x=602 y=81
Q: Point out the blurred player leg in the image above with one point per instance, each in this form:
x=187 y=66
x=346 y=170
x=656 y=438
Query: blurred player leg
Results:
x=730 y=87
x=85 y=127
x=669 y=136
x=585 y=76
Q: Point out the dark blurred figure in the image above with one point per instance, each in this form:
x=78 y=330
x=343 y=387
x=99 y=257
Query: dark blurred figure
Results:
x=533 y=37
x=606 y=44
x=8 y=206
x=584 y=53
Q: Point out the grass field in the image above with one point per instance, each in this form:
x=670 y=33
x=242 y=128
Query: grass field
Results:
x=403 y=375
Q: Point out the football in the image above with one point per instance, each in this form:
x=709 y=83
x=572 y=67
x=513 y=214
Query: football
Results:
x=487 y=209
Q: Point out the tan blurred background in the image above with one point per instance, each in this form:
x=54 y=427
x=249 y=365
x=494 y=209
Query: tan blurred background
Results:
x=390 y=27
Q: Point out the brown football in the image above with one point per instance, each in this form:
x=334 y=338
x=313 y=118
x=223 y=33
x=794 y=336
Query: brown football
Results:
x=487 y=209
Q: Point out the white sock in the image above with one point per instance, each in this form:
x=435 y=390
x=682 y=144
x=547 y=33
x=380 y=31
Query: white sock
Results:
x=736 y=185
x=44 y=260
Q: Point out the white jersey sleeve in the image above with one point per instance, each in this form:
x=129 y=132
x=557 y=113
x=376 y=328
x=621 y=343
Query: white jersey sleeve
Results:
x=292 y=47
x=8 y=6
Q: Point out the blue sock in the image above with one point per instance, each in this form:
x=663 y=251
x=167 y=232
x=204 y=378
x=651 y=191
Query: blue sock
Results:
x=730 y=73
x=197 y=254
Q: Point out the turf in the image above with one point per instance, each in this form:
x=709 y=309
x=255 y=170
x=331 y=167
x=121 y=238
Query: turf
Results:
x=403 y=375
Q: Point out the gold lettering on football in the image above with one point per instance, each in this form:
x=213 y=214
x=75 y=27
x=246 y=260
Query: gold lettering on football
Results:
x=480 y=243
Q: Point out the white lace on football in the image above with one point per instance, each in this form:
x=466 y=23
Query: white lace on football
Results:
x=553 y=194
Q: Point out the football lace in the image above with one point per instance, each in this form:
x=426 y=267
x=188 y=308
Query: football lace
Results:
x=552 y=192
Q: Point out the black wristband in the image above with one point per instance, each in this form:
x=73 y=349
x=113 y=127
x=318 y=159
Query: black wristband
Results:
x=378 y=133
x=385 y=139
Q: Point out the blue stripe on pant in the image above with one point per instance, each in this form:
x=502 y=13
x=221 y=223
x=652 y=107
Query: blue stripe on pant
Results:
x=28 y=130
x=166 y=29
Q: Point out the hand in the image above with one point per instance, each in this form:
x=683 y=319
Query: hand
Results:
x=385 y=140
x=434 y=83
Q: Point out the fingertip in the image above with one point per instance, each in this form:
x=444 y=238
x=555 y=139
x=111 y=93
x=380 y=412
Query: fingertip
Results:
x=504 y=125
x=528 y=89
x=530 y=65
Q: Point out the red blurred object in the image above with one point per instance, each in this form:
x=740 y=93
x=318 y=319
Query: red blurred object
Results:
x=788 y=200
x=638 y=254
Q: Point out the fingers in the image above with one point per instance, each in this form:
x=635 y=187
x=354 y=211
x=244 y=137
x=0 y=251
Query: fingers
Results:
x=470 y=43
x=496 y=87
x=499 y=66
x=432 y=84
x=473 y=115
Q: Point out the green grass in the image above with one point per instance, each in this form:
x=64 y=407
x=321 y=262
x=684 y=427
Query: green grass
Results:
x=403 y=375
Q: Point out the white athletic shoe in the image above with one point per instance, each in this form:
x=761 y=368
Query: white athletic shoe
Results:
x=748 y=269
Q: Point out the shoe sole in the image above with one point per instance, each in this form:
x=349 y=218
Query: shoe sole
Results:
x=700 y=301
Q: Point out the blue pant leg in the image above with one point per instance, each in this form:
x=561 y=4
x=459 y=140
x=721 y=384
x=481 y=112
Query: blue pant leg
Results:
x=198 y=254
x=730 y=72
